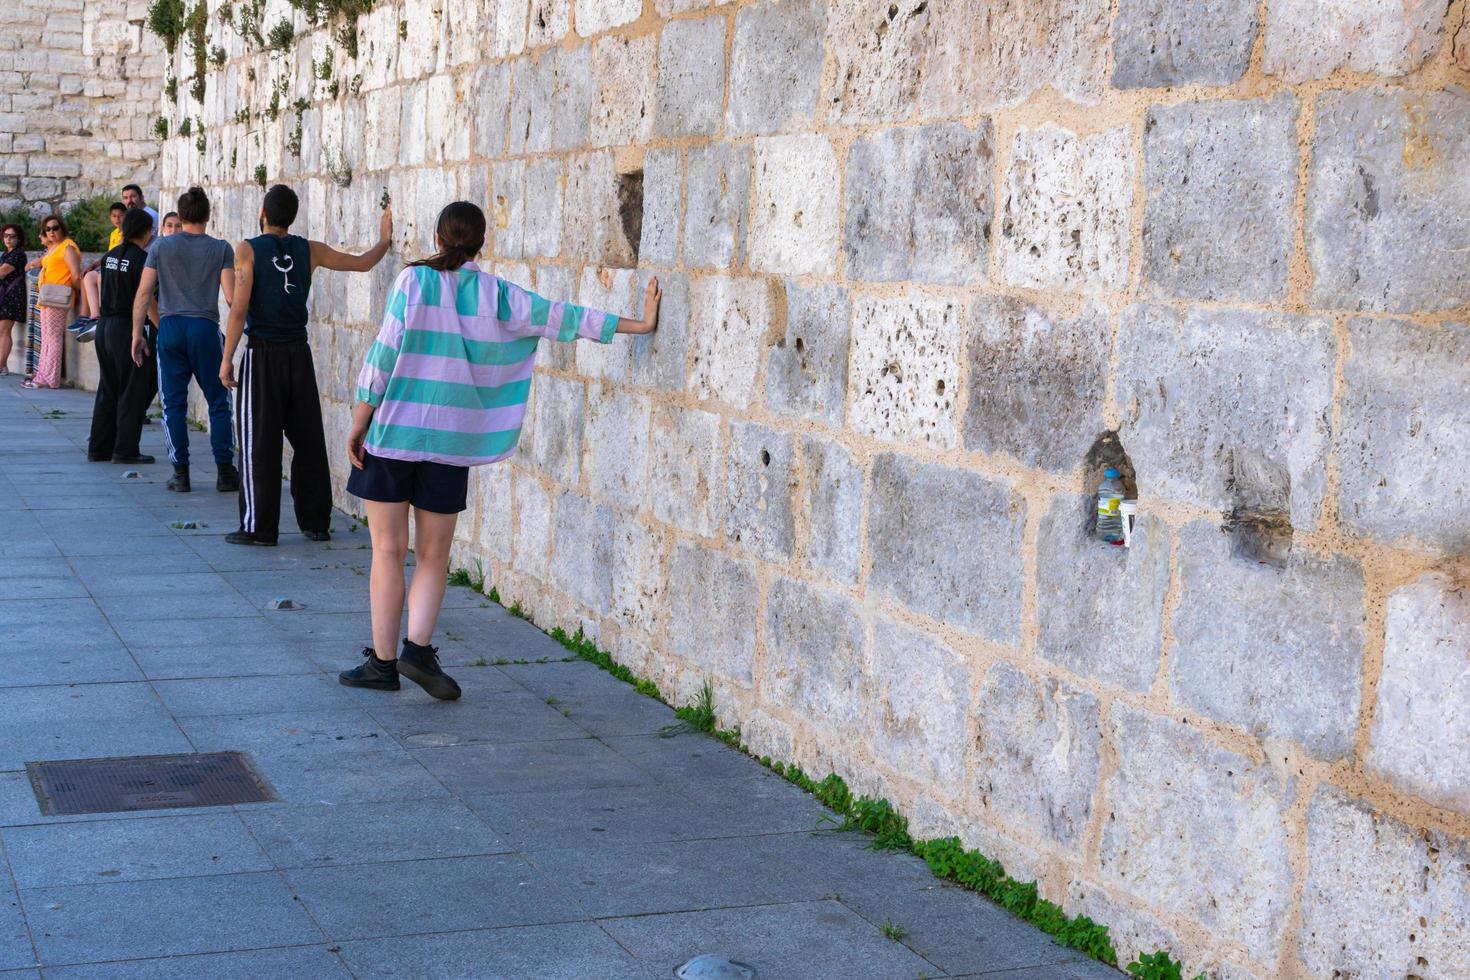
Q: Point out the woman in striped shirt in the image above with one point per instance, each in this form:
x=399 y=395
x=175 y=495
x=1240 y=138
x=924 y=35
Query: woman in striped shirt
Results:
x=444 y=388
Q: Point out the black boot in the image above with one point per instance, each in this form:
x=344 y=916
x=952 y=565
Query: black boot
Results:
x=421 y=665
x=245 y=537
x=380 y=675
x=229 y=478
x=180 y=481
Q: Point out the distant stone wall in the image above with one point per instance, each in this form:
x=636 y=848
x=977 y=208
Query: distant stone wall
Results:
x=80 y=85
x=928 y=266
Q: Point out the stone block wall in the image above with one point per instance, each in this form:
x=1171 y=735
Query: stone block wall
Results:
x=927 y=266
x=79 y=90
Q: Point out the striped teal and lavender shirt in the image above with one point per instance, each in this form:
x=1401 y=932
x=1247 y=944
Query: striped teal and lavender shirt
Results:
x=450 y=371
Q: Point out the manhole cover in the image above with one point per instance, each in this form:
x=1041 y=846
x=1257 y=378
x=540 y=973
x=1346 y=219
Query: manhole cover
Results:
x=146 y=782
x=711 y=967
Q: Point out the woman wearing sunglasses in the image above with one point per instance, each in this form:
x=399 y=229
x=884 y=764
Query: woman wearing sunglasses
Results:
x=61 y=270
x=12 y=288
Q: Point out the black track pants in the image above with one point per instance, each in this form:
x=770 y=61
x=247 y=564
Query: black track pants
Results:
x=278 y=397
x=124 y=390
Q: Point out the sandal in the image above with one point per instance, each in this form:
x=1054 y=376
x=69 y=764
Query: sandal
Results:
x=29 y=384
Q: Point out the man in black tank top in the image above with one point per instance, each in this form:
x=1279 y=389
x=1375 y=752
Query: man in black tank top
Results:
x=278 y=394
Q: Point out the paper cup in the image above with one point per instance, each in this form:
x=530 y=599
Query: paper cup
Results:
x=1128 y=510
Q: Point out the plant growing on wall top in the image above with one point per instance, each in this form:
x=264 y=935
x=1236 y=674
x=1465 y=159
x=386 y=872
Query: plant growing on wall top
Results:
x=166 y=19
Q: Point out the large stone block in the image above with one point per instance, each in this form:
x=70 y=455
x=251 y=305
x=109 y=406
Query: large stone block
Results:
x=1421 y=732
x=877 y=55
x=551 y=106
x=712 y=612
x=776 y=66
x=557 y=406
x=1276 y=651
x=794 y=224
x=1199 y=830
x=617 y=447
x=623 y=76
x=947 y=543
x=543 y=208
x=611 y=291
x=1037 y=754
x=715 y=217
x=596 y=16
x=1308 y=39
x=815 y=642
x=1402 y=452
x=551 y=20
x=733 y=316
x=1388 y=201
x=532 y=538
x=582 y=551
x=1100 y=609
x=905 y=368
x=691 y=77
x=494 y=509
x=1382 y=899
x=918 y=706
x=1065 y=222
x=806 y=368
x=919 y=204
x=659 y=360
x=1166 y=43
x=684 y=463
x=508 y=217
x=663 y=196
x=1037 y=382
x=640 y=575
x=1207 y=159
x=760 y=477
x=1227 y=407
x=593 y=227
x=832 y=502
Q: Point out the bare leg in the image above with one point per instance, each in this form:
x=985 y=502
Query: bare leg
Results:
x=7 y=329
x=433 y=535
x=388 y=525
x=92 y=288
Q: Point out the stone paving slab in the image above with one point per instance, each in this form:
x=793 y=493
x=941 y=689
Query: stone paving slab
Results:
x=540 y=827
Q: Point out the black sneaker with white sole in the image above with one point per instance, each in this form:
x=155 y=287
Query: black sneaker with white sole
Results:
x=379 y=675
x=245 y=537
x=421 y=665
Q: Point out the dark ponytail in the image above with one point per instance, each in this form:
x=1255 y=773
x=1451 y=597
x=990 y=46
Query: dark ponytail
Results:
x=461 y=231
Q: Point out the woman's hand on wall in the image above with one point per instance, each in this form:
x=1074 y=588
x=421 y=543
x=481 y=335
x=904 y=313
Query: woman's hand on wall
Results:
x=651 y=297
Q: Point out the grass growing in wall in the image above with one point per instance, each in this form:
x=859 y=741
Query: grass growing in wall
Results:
x=196 y=27
x=160 y=128
x=166 y=19
x=281 y=36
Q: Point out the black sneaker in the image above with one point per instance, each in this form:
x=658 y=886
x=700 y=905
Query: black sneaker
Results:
x=245 y=537
x=318 y=535
x=180 y=481
x=421 y=665
x=138 y=460
x=374 y=673
x=98 y=457
x=229 y=479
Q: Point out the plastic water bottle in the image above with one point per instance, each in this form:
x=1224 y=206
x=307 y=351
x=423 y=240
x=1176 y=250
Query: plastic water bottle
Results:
x=1109 y=500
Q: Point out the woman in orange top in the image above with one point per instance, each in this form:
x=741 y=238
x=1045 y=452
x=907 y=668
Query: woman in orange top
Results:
x=61 y=264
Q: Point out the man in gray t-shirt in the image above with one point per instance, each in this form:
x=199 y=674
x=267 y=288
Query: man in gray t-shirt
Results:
x=190 y=269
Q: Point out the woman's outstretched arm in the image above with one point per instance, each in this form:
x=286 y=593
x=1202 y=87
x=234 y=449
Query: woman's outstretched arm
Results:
x=651 y=297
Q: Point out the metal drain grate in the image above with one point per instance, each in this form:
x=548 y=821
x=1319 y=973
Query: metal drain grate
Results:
x=146 y=782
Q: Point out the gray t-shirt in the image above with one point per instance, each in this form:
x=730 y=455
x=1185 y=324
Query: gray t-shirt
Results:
x=188 y=273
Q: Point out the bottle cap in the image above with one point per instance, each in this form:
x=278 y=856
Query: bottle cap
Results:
x=1110 y=473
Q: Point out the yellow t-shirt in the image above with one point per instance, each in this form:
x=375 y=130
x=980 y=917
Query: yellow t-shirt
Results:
x=114 y=239
x=53 y=265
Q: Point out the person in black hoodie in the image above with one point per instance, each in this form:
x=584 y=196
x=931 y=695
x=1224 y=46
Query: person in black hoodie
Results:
x=125 y=388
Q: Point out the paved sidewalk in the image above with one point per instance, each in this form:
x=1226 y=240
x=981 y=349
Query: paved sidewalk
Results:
x=538 y=828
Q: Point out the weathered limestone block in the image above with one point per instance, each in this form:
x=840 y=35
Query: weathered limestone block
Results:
x=1203 y=160
x=550 y=21
x=1164 y=43
x=532 y=538
x=760 y=478
x=1276 y=651
x=1065 y=222
x=551 y=108
x=592 y=224
x=733 y=315
x=1382 y=899
x=663 y=195
x=508 y=27
x=617 y=447
x=1037 y=754
x=877 y=55
x=1421 y=731
x=1225 y=406
x=1198 y=830
x=1402 y=452
x=612 y=291
x=623 y=78
x=1132 y=931
x=581 y=556
x=718 y=205
x=684 y=463
x=980 y=54
x=1308 y=39
x=905 y=368
x=1036 y=382
x=659 y=359
x=412 y=137
x=918 y=703
x=494 y=502
x=806 y=370
x=1088 y=621
x=1388 y=201
x=543 y=208
x=793 y=228
x=947 y=543
x=776 y=67
x=556 y=430
x=712 y=612
x=815 y=643
x=691 y=77
x=639 y=580
x=832 y=501
x=596 y=16
x=919 y=204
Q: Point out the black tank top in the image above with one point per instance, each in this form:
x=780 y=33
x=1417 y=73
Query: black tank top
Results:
x=282 y=283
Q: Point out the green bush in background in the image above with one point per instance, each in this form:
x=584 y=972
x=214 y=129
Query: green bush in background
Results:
x=88 y=222
x=27 y=221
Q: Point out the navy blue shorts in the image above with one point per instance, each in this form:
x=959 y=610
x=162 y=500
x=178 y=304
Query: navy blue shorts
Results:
x=436 y=487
